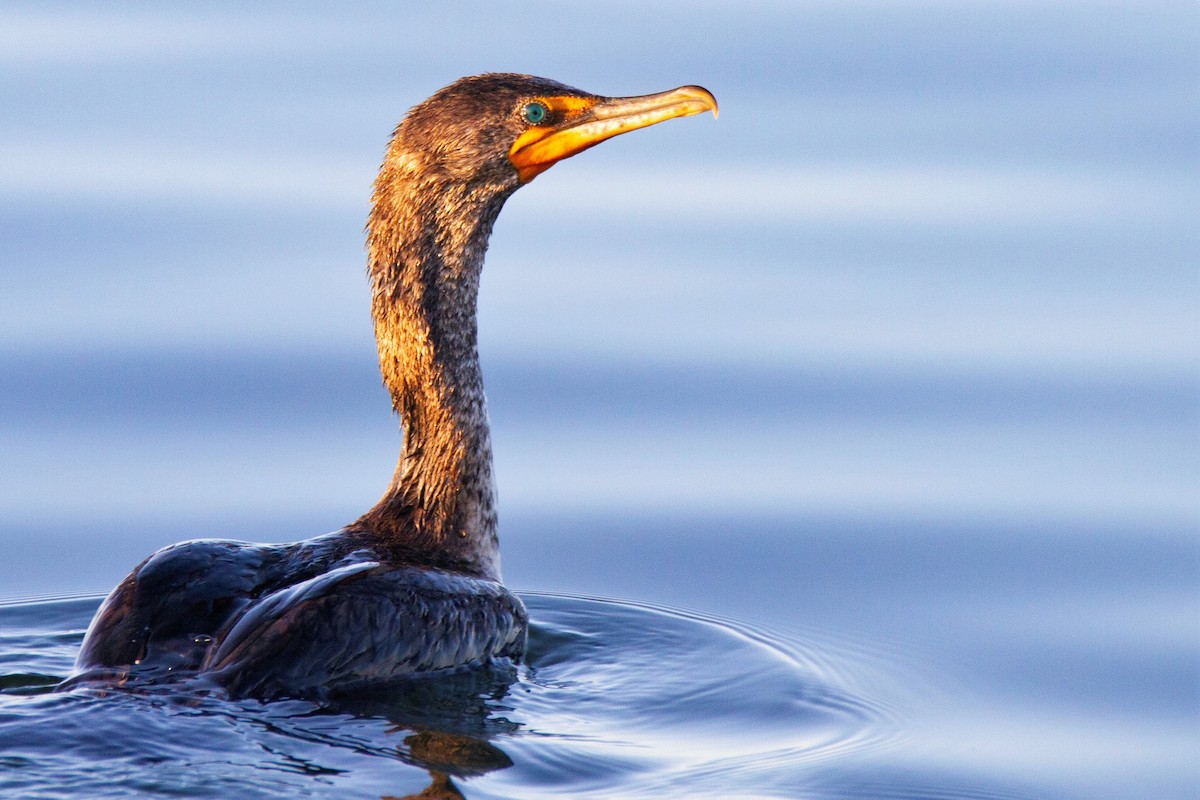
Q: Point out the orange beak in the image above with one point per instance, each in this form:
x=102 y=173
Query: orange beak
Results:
x=581 y=122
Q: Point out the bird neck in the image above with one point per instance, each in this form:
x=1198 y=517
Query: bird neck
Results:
x=426 y=244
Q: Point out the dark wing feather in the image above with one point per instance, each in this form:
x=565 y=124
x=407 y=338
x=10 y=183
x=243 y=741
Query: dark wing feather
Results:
x=179 y=592
x=364 y=623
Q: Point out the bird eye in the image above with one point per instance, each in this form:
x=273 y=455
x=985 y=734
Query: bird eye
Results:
x=535 y=113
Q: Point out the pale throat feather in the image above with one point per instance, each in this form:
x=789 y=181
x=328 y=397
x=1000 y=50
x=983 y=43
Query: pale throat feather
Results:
x=426 y=251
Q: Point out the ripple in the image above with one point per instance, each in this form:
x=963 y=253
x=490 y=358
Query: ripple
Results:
x=668 y=699
x=616 y=699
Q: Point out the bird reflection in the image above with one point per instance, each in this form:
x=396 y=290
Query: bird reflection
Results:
x=442 y=788
x=451 y=753
x=447 y=723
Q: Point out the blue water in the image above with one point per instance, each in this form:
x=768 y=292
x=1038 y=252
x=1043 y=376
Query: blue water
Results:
x=615 y=697
x=874 y=403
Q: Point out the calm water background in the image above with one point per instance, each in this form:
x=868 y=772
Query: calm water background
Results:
x=896 y=359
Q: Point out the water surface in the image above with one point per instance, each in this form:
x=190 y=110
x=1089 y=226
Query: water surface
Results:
x=874 y=402
x=615 y=699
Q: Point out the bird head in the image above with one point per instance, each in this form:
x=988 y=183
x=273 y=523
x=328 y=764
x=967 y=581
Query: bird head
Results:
x=506 y=129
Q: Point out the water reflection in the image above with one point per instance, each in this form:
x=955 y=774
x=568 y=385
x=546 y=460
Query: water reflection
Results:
x=963 y=241
x=447 y=724
x=616 y=699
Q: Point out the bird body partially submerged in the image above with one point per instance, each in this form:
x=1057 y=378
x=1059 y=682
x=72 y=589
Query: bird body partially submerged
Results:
x=297 y=619
x=413 y=585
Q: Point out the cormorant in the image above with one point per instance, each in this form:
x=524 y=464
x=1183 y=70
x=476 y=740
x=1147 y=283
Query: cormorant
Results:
x=413 y=585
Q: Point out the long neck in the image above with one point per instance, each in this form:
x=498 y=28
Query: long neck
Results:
x=426 y=242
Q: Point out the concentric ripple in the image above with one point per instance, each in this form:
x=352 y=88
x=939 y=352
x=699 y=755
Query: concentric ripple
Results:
x=669 y=700
x=616 y=700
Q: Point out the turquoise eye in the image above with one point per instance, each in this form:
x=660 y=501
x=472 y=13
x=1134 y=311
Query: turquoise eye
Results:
x=535 y=113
